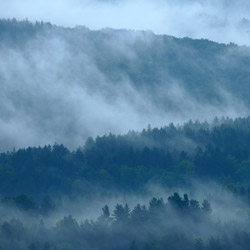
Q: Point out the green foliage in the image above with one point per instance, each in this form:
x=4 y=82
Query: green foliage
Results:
x=219 y=151
x=176 y=224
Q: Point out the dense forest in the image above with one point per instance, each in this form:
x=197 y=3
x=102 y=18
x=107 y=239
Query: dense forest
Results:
x=65 y=89
x=169 y=156
x=179 y=223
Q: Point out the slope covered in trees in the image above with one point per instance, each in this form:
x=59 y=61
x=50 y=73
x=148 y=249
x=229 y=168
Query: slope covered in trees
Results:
x=179 y=223
x=123 y=229
x=58 y=83
x=169 y=156
x=202 y=67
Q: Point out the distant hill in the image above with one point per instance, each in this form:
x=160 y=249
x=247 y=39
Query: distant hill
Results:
x=202 y=67
x=170 y=156
x=67 y=84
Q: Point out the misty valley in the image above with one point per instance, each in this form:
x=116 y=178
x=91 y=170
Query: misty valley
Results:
x=119 y=139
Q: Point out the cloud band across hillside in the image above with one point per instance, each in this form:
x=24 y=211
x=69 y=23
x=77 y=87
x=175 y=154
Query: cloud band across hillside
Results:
x=65 y=85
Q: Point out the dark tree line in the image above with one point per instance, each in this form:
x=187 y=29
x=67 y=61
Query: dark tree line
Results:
x=219 y=151
x=179 y=223
x=32 y=179
x=139 y=228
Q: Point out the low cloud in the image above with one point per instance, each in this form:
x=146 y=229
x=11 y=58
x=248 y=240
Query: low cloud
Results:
x=53 y=93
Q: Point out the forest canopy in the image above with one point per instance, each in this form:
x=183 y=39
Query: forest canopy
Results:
x=172 y=185
x=169 y=156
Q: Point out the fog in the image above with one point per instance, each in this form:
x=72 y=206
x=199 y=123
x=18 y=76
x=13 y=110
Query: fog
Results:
x=53 y=89
x=63 y=85
x=53 y=92
x=229 y=217
x=220 y=20
x=226 y=206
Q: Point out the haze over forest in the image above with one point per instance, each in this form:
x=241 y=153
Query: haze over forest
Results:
x=124 y=125
x=72 y=83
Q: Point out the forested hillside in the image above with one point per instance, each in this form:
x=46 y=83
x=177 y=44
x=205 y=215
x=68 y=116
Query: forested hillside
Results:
x=71 y=83
x=145 y=227
x=200 y=66
x=169 y=156
x=123 y=118
x=178 y=223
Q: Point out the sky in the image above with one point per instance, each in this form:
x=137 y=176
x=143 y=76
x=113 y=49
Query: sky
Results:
x=222 y=20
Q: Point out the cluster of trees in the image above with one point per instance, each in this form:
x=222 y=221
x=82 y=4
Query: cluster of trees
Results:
x=123 y=229
x=180 y=223
x=170 y=156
